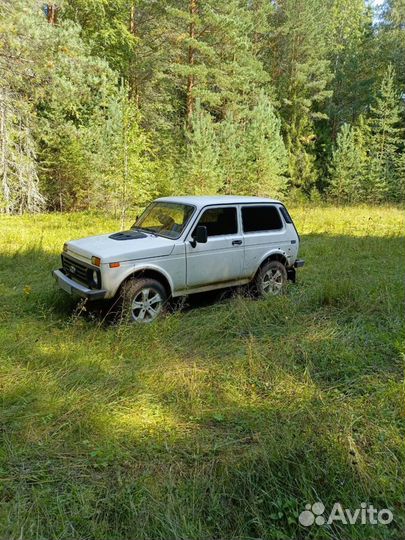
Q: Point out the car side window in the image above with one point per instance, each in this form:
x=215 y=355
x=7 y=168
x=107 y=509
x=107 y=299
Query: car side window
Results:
x=285 y=214
x=260 y=218
x=220 y=221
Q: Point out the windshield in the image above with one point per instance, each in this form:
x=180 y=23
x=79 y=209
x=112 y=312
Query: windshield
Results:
x=165 y=219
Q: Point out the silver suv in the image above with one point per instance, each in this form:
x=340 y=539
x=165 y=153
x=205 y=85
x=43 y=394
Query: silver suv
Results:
x=185 y=245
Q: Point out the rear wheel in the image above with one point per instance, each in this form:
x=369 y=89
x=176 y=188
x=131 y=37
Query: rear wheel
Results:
x=271 y=279
x=143 y=300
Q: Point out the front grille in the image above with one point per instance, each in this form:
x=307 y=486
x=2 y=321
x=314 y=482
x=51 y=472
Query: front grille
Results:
x=82 y=272
x=75 y=269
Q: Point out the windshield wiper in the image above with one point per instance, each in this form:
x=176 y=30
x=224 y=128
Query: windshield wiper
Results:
x=146 y=230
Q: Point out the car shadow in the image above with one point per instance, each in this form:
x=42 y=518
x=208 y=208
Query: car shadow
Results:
x=108 y=312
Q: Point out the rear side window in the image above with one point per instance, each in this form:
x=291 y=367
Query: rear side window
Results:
x=260 y=218
x=285 y=214
x=220 y=221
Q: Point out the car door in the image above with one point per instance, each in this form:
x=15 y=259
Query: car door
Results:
x=220 y=260
x=263 y=229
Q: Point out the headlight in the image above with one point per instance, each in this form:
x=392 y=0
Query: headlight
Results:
x=95 y=277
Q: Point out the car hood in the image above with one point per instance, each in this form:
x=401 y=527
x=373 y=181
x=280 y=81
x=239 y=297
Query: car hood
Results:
x=115 y=248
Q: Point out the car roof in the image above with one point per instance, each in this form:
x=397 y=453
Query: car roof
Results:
x=207 y=200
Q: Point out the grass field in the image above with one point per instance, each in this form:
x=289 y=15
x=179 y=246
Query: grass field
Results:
x=219 y=421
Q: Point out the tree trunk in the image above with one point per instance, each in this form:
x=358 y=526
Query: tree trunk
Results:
x=191 y=57
x=4 y=156
x=132 y=20
x=133 y=83
x=124 y=178
x=52 y=10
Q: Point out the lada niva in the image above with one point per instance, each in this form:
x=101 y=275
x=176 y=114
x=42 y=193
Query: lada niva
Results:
x=185 y=245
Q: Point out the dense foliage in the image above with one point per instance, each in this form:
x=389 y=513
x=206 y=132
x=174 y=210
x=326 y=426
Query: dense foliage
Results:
x=108 y=103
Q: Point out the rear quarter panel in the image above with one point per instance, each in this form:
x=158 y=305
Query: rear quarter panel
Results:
x=260 y=245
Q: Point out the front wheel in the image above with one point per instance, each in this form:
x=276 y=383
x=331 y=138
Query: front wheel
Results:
x=271 y=279
x=143 y=300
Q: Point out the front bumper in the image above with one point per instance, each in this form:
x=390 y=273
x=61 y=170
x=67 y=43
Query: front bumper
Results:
x=76 y=289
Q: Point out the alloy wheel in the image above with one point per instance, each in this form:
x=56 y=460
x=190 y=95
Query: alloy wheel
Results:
x=146 y=305
x=272 y=282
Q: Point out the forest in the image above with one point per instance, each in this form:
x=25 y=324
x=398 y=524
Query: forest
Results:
x=112 y=103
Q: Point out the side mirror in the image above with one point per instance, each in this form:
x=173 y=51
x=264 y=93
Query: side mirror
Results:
x=200 y=236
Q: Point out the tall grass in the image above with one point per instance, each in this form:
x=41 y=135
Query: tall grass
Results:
x=221 y=420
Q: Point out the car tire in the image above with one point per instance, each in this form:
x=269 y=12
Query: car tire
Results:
x=271 y=279
x=142 y=300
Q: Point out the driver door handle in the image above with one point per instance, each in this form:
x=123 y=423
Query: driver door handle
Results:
x=236 y=242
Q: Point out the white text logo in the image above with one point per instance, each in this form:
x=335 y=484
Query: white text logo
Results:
x=314 y=513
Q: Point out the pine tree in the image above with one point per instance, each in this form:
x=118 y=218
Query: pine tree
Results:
x=123 y=157
x=390 y=39
x=350 y=46
x=201 y=166
x=386 y=130
x=266 y=152
x=401 y=176
x=106 y=28
x=18 y=169
x=298 y=61
x=215 y=61
x=21 y=85
x=233 y=156
x=51 y=86
x=347 y=166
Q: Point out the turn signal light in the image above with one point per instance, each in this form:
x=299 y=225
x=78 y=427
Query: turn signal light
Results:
x=96 y=261
x=65 y=247
x=114 y=265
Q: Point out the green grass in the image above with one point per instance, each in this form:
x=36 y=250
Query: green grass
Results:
x=220 y=421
